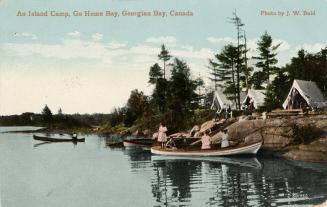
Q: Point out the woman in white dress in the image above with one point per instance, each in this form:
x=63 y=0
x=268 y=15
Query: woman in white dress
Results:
x=162 y=137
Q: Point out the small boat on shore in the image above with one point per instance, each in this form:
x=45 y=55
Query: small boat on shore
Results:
x=234 y=150
x=50 y=139
x=138 y=143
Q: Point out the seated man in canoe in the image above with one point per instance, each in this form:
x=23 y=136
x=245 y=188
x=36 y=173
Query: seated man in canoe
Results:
x=74 y=136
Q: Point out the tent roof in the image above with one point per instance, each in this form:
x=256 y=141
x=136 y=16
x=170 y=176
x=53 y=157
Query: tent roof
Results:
x=310 y=92
x=257 y=95
x=222 y=99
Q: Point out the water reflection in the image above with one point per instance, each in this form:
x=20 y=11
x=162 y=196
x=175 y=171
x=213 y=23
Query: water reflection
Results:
x=231 y=181
x=94 y=175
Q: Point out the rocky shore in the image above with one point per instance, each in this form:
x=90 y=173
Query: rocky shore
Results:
x=298 y=138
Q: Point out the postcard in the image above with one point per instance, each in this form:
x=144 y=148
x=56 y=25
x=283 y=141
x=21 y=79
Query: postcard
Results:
x=163 y=103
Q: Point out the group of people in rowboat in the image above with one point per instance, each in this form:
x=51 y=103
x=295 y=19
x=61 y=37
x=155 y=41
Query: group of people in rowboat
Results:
x=206 y=143
x=205 y=139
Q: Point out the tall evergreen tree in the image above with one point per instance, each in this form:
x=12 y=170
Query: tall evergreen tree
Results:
x=155 y=73
x=226 y=72
x=47 y=115
x=275 y=92
x=267 y=56
x=182 y=95
x=164 y=56
x=159 y=91
x=239 y=60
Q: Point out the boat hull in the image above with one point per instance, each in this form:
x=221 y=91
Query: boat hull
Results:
x=49 y=139
x=138 y=143
x=248 y=149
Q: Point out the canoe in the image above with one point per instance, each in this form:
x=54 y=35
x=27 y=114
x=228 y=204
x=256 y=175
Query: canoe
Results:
x=138 y=143
x=234 y=150
x=50 y=139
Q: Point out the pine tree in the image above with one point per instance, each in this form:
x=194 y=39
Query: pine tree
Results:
x=226 y=73
x=275 y=92
x=159 y=91
x=164 y=56
x=266 y=58
x=239 y=60
x=47 y=115
x=182 y=96
x=155 y=73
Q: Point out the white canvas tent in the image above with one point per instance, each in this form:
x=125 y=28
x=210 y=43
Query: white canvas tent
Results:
x=307 y=91
x=257 y=96
x=221 y=101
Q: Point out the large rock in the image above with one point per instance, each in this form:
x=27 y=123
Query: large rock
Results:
x=211 y=125
x=253 y=138
x=316 y=151
x=215 y=139
x=275 y=142
x=282 y=131
x=241 y=129
x=179 y=135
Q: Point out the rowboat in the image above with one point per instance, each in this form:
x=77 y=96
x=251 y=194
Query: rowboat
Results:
x=234 y=150
x=50 y=139
x=138 y=143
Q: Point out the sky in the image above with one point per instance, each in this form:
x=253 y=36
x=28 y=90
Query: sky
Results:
x=90 y=64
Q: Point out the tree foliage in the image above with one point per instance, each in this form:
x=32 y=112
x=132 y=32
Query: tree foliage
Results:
x=47 y=115
x=164 y=56
x=275 y=92
x=267 y=56
x=226 y=73
x=310 y=67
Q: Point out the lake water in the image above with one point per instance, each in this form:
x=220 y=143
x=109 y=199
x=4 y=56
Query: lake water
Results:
x=90 y=174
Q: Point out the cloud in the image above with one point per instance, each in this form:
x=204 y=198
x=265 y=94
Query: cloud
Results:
x=69 y=49
x=202 y=53
x=168 y=40
x=284 y=45
x=26 y=35
x=311 y=48
x=97 y=36
x=74 y=34
x=116 y=45
x=218 y=40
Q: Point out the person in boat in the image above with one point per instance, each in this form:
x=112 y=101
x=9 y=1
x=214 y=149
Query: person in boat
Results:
x=224 y=140
x=162 y=137
x=205 y=139
x=171 y=144
x=74 y=136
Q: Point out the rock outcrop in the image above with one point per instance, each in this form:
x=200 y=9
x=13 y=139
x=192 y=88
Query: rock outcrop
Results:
x=316 y=151
x=278 y=135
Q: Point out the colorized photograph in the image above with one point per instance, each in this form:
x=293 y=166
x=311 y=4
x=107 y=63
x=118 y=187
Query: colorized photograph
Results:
x=163 y=103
